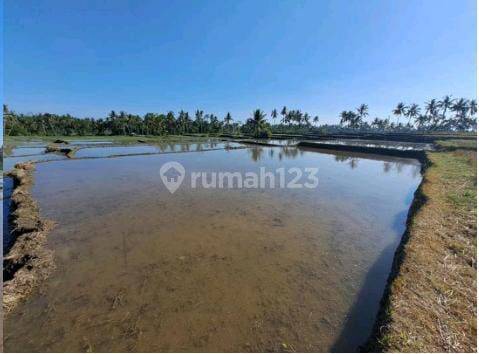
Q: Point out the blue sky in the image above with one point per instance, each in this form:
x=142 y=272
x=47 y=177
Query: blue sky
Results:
x=88 y=57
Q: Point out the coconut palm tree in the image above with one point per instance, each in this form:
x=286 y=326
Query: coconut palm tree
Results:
x=473 y=107
x=258 y=121
x=432 y=108
x=400 y=111
x=350 y=119
x=306 y=118
x=446 y=103
x=421 y=120
x=412 y=112
x=315 y=120
x=363 y=110
x=274 y=115
x=228 y=119
x=284 y=112
x=461 y=108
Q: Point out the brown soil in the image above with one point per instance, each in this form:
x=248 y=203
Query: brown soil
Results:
x=68 y=152
x=28 y=261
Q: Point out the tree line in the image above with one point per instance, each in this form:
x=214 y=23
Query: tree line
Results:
x=448 y=114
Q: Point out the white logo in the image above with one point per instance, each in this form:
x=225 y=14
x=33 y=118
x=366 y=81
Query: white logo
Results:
x=172 y=174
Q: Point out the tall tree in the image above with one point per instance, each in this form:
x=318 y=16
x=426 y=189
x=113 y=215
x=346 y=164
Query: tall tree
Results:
x=258 y=121
x=274 y=115
x=228 y=119
x=412 y=112
x=284 y=113
x=473 y=107
x=432 y=109
x=400 y=110
x=446 y=103
x=363 y=111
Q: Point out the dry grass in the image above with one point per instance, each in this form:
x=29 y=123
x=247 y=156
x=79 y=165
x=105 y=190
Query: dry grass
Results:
x=430 y=305
x=28 y=261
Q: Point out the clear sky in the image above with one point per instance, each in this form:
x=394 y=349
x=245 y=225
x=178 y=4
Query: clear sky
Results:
x=87 y=57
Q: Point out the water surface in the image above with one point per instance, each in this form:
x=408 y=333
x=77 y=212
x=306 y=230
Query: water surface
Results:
x=141 y=269
x=22 y=151
x=399 y=145
x=106 y=151
x=10 y=161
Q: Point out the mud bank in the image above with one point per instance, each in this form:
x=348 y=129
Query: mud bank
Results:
x=67 y=151
x=28 y=262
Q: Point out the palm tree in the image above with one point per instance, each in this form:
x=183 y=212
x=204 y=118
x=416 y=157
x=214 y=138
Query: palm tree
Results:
x=306 y=119
x=421 y=120
x=446 y=104
x=284 y=113
x=376 y=123
x=274 y=114
x=413 y=112
x=473 y=107
x=344 y=117
x=461 y=107
x=258 y=121
x=363 y=110
x=432 y=109
x=315 y=120
x=400 y=110
x=351 y=119
x=228 y=119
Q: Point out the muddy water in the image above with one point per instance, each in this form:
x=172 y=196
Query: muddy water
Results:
x=140 y=269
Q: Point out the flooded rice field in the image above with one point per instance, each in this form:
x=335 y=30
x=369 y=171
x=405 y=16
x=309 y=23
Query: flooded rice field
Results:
x=400 y=145
x=151 y=149
x=90 y=142
x=26 y=152
x=10 y=161
x=203 y=269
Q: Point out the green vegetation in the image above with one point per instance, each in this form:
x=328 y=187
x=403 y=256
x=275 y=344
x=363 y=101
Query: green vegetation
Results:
x=431 y=302
x=448 y=114
x=454 y=144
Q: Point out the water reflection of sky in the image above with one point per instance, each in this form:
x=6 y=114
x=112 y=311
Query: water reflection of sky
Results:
x=329 y=238
x=400 y=145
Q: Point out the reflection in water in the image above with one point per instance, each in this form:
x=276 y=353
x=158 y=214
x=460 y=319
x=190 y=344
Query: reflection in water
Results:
x=256 y=152
x=351 y=161
x=106 y=151
x=140 y=269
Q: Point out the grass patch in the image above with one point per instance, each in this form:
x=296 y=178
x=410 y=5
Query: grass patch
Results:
x=430 y=304
x=455 y=144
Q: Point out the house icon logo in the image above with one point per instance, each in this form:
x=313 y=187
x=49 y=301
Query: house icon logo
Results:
x=172 y=174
